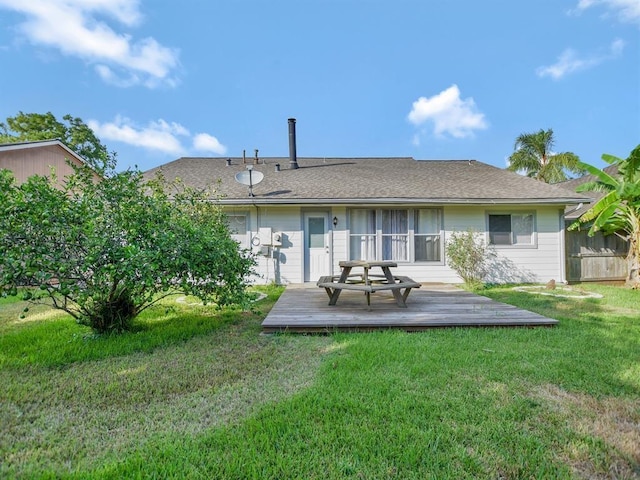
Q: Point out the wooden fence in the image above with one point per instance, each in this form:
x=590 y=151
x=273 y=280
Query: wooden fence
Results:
x=597 y=258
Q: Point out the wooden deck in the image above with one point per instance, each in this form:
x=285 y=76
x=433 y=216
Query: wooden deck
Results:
x=305 y=309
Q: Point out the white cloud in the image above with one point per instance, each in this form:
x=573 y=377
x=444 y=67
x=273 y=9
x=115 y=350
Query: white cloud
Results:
x=627 y=11
x=77 y=28
x=204 y=142
x=569 y=61
x=159 y=135
x=449 y=114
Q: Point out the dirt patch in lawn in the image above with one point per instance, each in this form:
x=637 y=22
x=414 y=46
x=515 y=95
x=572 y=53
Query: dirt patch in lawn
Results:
x=613 y=421
x=558 y=291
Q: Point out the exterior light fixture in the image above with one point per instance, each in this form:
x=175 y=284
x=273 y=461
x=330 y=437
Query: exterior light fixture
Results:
x=335 y=221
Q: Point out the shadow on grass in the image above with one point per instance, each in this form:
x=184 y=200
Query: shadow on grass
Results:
x=56 y=340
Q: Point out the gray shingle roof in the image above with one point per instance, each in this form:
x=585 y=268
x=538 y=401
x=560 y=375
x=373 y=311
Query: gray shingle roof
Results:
x=368 y=180
x=571 y=213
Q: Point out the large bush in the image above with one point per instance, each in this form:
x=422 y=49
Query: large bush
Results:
x=104 y=251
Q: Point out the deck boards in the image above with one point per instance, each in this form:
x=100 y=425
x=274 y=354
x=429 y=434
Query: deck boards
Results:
x=304 y=309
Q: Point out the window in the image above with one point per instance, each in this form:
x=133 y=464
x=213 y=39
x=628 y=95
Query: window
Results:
x=399 y=235
x=511 y=229
x=362 y=239
x=315 y=232
x=395 y=235
x=427 y=235
x=238 y=227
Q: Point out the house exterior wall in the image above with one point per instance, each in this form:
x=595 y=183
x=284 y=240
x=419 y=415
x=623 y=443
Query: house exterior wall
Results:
x=37 y=161
x=539 y=262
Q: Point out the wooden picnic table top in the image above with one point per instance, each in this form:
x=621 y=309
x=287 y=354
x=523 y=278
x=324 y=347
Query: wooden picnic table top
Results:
x=366 y=263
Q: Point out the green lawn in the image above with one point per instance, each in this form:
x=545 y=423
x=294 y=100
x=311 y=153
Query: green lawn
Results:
x=199 y=393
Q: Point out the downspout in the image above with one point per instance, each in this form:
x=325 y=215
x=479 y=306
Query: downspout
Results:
x=562 y=247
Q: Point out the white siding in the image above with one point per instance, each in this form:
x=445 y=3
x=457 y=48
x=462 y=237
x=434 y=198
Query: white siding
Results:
x=537 y=263
x=340 y=238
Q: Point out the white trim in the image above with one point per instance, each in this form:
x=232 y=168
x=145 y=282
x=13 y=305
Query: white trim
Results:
x=499 y=246
x=562 y=247
x=39 y=144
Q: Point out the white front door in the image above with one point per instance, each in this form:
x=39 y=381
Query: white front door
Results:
x=317 y=251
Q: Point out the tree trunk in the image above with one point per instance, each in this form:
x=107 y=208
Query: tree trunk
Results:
x=633 y=259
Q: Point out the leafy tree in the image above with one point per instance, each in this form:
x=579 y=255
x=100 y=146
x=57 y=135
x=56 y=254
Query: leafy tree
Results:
x=534 y=156
x=73 y=132
x=468 y=255
x=105 y=251
x=618 y=211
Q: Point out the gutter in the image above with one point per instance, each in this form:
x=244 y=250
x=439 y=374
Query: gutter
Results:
x=402 y=201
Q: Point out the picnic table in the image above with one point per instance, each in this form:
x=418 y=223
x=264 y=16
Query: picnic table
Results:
x=367 y=282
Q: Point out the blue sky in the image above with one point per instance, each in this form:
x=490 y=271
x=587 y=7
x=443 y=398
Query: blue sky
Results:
x=431 y=79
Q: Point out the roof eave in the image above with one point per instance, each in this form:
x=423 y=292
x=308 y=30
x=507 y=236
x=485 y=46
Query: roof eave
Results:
x=401 y=201
x=39 y=144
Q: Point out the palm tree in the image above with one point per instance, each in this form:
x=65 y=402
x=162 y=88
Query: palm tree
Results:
x=534 y=156
x=618 y=212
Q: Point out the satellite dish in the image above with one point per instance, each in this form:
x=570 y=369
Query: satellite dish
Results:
x=249 y=178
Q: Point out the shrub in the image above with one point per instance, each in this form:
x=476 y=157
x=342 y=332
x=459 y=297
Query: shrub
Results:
x=468 y=255
x=106 y=250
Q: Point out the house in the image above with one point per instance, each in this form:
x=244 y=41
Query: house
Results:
x=25 y=159
x=304 y=215
x=592 y=258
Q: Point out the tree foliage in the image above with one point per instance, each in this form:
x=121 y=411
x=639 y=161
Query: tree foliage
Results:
x=468 y=255
x=105 y=251
x=618 y=211
x=533 y=154
x=72 y=131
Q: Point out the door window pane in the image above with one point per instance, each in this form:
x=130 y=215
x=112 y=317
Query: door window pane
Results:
x=316 y=232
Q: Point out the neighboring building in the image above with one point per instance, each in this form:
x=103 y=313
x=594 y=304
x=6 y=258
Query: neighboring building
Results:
x=592 y=258
x=25 y=159
x=307 y=214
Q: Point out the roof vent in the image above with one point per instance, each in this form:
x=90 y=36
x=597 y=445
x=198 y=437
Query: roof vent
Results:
x=277 y=167
x=293 y=159
x=228 y=162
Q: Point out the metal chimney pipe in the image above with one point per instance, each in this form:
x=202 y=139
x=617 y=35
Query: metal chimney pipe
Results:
x=256 y=161
x=293 y=158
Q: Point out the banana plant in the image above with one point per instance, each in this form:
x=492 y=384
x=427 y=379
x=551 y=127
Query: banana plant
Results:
x=618 y=211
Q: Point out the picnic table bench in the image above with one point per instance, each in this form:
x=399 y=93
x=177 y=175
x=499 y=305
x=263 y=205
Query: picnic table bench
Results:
x=400 y=286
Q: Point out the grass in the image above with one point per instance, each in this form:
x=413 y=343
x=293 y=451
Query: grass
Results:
x=198 y=393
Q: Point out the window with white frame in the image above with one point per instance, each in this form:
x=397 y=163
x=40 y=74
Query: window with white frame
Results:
x=362 y=237
x=511 y=228
x=426 y=237
x=237 y=223
x=395 y=235
x=402 y=235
